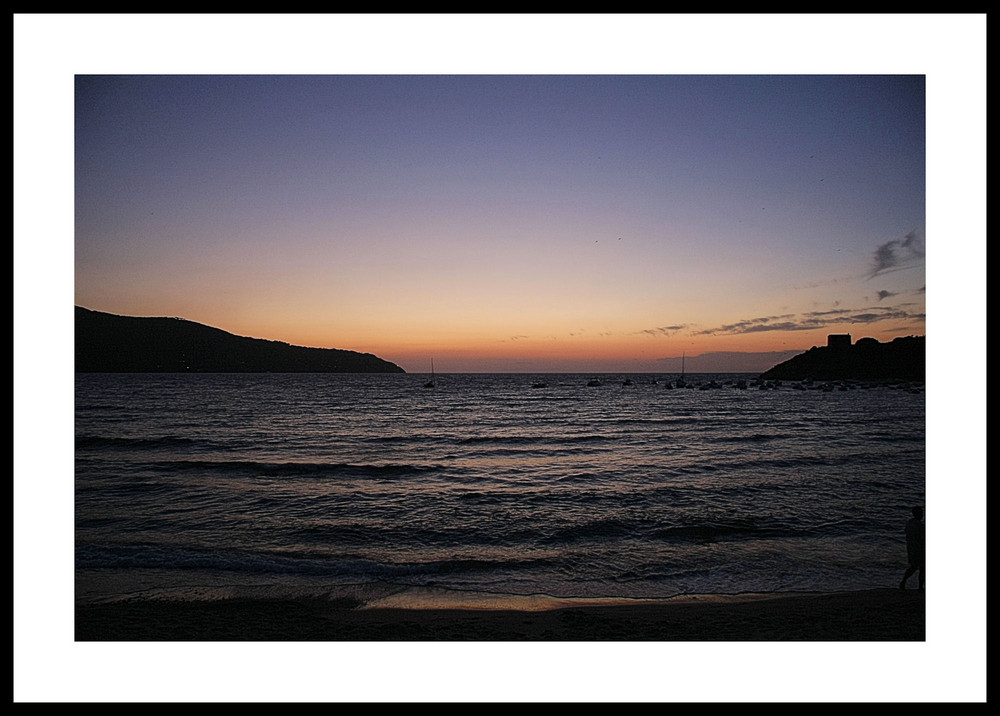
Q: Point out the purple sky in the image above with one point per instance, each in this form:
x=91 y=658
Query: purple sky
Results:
x=508 y=222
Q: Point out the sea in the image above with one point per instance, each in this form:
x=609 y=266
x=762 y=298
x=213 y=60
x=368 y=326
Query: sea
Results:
x=373 y=487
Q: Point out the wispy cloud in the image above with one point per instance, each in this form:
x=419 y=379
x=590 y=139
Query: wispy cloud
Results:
x=662 y=330
x=758 y=325
x=813 y=320
x=832 y=312
x=873 y=316
x=896 y=254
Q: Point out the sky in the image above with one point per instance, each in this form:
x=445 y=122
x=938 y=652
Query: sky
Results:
x=665 y=188
x=509 y=222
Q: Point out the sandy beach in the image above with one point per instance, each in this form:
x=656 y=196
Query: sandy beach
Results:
x=873 y=615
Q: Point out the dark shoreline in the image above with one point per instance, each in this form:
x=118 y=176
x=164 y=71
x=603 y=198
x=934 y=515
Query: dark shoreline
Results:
x=873 y=615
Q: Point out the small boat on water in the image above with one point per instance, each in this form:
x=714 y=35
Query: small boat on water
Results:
x=681 y=383
x=430 y=383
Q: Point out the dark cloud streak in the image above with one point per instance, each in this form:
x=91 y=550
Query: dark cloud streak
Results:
x=896 y=254
x=812 y=321
x=663 y=330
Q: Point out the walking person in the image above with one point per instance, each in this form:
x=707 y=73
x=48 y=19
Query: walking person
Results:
x=915 y=547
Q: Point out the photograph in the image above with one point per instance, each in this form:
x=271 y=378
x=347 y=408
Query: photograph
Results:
x=358 y=343
x=388 y=360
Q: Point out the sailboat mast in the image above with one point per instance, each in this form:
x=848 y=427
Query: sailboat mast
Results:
x=430 y=383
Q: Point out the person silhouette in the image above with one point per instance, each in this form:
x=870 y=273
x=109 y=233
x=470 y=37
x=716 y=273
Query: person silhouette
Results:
x=915 y=547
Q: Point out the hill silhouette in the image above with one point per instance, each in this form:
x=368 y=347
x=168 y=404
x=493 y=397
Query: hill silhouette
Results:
x=902 y=359
x=107 y=343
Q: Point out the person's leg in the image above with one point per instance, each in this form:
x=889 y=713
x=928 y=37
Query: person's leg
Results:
x=909 y=573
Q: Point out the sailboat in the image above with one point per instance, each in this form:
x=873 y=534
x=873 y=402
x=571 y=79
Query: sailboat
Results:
x=681 y=383
x=430 y=383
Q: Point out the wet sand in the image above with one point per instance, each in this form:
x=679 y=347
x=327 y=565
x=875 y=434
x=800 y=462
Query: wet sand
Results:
x=874 y=615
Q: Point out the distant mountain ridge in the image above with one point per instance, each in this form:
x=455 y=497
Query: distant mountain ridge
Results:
x=728 y=361
x=866 y=360
x=108 y=343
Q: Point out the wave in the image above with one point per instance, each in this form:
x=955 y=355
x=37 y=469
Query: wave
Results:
x=342 y=568
x=751 y=438
x=534 y=439
x=297 y=469
x=712 y=531
x=593 y=529
x=167 y=442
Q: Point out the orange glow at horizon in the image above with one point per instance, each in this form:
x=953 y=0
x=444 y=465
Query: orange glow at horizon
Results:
x=483 y=350
x=505 y=222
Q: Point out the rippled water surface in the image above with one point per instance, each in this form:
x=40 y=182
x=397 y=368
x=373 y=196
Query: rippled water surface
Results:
x=192 y=484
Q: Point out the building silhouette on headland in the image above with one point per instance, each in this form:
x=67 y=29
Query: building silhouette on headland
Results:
x=838 y=340
x=901 y=359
